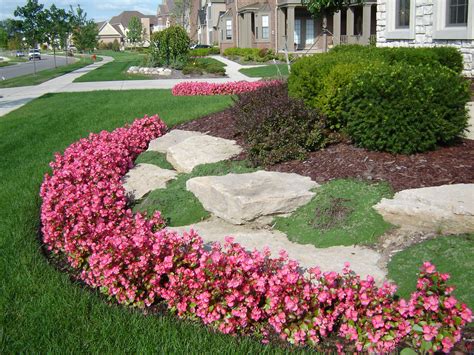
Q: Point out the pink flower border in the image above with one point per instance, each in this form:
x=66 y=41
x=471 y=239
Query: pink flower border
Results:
x=194 y=88
x=138 y=262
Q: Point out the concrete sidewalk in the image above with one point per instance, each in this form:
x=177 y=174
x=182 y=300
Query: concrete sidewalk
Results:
x=13 y=98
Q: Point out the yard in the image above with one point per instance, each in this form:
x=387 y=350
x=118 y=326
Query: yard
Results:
x=352 y=163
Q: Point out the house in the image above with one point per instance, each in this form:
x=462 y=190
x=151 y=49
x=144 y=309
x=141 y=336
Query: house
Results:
x=287 y=25
x=209 y=13
x=117 y=27
x=166 y=16
x=428 y=23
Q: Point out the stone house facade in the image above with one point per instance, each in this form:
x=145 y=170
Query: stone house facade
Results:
x=287 y=25
x=428 y=23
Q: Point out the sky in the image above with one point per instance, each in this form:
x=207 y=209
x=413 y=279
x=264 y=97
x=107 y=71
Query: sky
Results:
x=99 y=10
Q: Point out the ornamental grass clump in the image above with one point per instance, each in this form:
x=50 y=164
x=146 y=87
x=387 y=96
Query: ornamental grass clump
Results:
x=87 y=223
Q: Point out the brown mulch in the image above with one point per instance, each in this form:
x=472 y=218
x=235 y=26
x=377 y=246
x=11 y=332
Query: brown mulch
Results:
x=445 y=165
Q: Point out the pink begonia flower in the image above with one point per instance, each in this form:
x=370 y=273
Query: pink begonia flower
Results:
x=428 y=267
x=429 y=332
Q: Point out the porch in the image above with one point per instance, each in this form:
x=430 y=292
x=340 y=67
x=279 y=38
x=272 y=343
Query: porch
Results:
x=356 y=25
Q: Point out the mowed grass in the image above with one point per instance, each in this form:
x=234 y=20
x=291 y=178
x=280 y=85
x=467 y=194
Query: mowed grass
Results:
x=267 y=71
x=341 y=213
x=44 y=75
x=451 y=254
x=41 y=310
x=116 y=70
x=179 y=206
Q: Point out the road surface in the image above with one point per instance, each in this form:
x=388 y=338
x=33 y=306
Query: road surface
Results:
x=24 y=68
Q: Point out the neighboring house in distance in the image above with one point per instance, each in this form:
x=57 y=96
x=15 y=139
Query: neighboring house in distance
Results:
x=287 y=25
x=165 y=17
x=208 y=20
x=117 y=27
x=428 y=23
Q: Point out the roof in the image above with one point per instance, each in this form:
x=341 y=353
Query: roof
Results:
x=117 y=28
x=125 y=17
x=100 y=24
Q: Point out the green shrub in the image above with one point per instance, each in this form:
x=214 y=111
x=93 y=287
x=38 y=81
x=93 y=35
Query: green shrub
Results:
x=204 y=65
x=405 y=109
x=170 y=47
x=276 y=127
x=203 y=52
x=260 y=55
x=450 y=57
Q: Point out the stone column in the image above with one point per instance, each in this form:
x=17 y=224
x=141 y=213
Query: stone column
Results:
x=350 y=24
x=246 y=30
x=280 y=29
x=290 y=28
x=366 y=18
x=336 y=28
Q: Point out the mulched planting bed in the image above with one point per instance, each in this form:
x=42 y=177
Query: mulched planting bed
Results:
x=446 y=165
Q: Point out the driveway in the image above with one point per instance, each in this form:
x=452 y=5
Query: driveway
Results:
x=24 y=68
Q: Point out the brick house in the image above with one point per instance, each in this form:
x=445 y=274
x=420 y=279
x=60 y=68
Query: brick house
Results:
x=287 y=24
x=428 y=23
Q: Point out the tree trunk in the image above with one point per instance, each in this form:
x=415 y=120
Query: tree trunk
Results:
x=54 y=56
x=34 y=62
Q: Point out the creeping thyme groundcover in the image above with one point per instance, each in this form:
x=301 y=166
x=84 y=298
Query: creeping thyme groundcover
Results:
x=194 y=88
x=86 y=221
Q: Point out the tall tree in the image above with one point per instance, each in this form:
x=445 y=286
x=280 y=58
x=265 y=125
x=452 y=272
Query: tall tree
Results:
x=57 y=26
x=326 y=8
x=33 y=23
x=135 y=31
x=181 y=13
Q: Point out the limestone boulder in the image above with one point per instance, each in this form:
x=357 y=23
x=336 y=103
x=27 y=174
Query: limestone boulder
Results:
x=447 y=209
x=241 y=198
x=161 y=144
x=144 y=178
x=200 y=149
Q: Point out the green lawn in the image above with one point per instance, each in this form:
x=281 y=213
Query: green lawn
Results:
x=267 y=71
x=41 y=310
x=116 y=70
x=341 y=213
x=452 y=254
x=44 y=75
x=179 y=206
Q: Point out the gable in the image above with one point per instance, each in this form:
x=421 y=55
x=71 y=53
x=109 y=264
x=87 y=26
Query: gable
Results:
x=109 y=30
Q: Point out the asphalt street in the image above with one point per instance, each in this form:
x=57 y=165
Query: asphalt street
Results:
x=25 y=68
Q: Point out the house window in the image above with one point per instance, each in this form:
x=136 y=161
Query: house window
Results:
x=403 y=14
x=228 y=29
x=309 y=31
x=457 y=12
x=297 y=31
x=265 y=27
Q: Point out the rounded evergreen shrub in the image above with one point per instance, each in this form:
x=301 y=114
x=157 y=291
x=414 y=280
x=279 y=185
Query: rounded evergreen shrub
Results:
x=405 y=109
x=170 y=47
x=276 y=127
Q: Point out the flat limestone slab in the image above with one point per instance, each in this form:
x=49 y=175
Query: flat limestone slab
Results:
x=363 y=261
x=447 y=209
x=470 y=128
x=241 y=198
x=161 y=144
x=144 y=178
x=200 y=149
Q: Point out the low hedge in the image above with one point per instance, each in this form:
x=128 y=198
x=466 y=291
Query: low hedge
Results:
x=276 y=127
x=204 y=52
x=404 y=109
x=252 y=54
x=87 y=224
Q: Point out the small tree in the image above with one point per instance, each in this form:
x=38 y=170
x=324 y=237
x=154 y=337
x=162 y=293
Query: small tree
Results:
x=32 y=24
x=85 y=37
x=115 y=45
x=57 y=27
x=3 y=38
x=135 y=31
x=170 y=46
x=325 y=8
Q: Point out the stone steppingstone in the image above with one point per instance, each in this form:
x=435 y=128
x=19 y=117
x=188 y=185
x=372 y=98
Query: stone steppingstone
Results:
x=363 y=261
x=176 y=136
x=200 y=149
x=144 y=178
x=447 y=209
x=240 y=198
